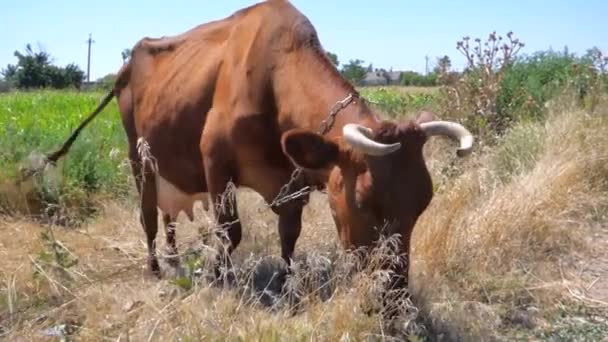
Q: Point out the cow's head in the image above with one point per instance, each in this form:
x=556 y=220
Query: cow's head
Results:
x=377 y=177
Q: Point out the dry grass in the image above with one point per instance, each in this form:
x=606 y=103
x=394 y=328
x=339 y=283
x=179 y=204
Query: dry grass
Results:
x=501 y=247
x=500 y=237
x=108 y=296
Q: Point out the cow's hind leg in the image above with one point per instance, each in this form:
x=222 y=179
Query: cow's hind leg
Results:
x=145 y=182
x=171 y=247
x=144 y=176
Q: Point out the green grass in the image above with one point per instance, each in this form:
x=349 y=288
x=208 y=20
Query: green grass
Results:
x=35 y=123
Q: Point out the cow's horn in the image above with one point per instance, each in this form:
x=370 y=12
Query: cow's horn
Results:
x=453 y=130
x=359 y=137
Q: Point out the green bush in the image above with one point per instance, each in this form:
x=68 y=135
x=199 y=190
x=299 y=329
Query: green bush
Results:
x=412 y=78
x=533 y=80
x=498 y=88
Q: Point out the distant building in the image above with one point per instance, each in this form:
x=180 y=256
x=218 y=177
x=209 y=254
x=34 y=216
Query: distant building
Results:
x=381 y=77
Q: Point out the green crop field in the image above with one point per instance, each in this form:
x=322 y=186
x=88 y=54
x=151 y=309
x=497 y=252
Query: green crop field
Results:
x=35 y=123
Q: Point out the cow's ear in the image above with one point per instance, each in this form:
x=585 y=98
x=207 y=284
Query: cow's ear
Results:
x=309 y=150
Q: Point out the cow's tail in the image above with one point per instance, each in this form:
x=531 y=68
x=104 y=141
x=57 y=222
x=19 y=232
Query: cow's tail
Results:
x=52 y=158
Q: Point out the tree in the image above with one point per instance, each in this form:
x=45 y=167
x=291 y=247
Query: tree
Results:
x=126 y=54
x=598 y=59
x=9 y=72
x=334 y=58
x=354 y=71
x=443 y=65
x=412 y=78
x=107 y=82
x=34 y=70
x=73 y=75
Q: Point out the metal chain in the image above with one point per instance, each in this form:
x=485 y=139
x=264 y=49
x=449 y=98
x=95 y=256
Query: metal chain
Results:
x=329 y=121
x=325 y=126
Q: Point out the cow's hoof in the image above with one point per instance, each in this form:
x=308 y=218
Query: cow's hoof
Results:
x=173 y=262
x=172 y=258
x=224 y=277
x=154 y=268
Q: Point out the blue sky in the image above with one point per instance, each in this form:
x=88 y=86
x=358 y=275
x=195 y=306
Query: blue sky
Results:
x=387 y=33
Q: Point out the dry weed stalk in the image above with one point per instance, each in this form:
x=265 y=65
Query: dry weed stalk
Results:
x=476 y=88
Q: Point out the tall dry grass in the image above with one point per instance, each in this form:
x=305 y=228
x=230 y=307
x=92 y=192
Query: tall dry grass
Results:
x=500 y=237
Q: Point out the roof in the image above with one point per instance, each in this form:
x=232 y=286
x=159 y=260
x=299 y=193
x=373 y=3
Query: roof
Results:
x=378 y=77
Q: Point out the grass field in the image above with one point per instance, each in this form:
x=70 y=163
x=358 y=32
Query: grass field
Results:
x=38 y=122
x=512 y=246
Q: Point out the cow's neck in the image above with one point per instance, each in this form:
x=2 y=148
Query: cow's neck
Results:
x=307 y=89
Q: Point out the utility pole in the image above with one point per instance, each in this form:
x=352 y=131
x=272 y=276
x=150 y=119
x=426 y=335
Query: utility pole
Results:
x=426 y=68
x=89 y=41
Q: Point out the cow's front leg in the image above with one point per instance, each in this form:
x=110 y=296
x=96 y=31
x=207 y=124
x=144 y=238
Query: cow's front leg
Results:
x=397 y=289
x=290 y=226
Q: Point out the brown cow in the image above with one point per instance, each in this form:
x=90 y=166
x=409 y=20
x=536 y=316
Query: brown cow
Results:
x=244 y=100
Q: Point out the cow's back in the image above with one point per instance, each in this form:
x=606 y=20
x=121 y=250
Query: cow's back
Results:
x=169 y=92
x=164 y=94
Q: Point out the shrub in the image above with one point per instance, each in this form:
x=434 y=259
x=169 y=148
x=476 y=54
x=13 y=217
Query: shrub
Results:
x=412 y=78
x=477 y=88
x=498 y=88
x=533 y=80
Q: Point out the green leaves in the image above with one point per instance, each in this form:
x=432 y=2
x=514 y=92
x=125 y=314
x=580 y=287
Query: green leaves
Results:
x=354 y=71
x=35 y=70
